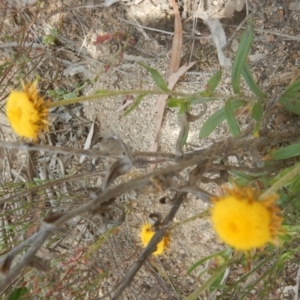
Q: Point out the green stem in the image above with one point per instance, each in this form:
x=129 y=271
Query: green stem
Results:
x=203 y=214
x=106 y=94
x=281 y=182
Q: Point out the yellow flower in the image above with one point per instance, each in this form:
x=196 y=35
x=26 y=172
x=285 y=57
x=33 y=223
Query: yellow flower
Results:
x=242 y=221
x=147 y=233
x=27 y=111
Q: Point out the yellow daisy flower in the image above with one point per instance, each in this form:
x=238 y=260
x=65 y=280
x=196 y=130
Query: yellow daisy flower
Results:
x=244 y=222
x=27 y=111
x=147 y=233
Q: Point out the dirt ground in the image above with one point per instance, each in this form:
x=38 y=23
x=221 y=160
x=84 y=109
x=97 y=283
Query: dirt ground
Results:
x=75 y=63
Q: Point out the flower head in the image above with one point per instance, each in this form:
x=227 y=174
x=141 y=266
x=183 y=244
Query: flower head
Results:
x=147 y=233
x=244 y=222
x=27 y=111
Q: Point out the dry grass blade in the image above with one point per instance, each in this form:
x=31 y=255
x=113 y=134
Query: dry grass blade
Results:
x=177 y=41
x=173 y=67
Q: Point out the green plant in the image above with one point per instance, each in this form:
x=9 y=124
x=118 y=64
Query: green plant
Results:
x=51 y=38
x=274 y=170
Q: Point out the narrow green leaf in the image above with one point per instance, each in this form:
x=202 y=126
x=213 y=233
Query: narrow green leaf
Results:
x=241 y=56
x=290 y=99
x=257 y=111
x=212 y=83
x=194 y=295
x=282 y=174
x=294 y=187
x=286 y=152
x=217 y=118
x=17 y=293
x=246 y=72
x=158 y=79
x=203 y=260
x=283 y=179
x=175 y=102
x=295 y=204
x=213 y=121
x=284 y=200
x=135 y=104
x=257 y=114
x=294 y=87
x=242 y=178
x=215 y=285
x=231 y=120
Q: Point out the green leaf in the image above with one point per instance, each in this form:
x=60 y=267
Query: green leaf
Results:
x=241 y=56
x=257 y=111
x=295 y=203
x=294 y=187
x=212 y=83
x=242 y=178
x=17 y=293
x=175 y=102
x=231 y=120
x=135 y=104
x=284 y=200
x=158 y=79
x=185 y=106
x=282 y=174
x=182 y=103
x=194 y=295
x=215 y=285
x=203 y=260
x=251 y=82
x=283 y=179
x=217 y=118
x=292 y=229
x=286 y=152
x=294 y=87
x=290 y=99
x=70 y=96
x=257 y=114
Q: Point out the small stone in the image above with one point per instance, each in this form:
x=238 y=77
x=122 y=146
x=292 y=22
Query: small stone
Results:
x=234 y=45
x=270 y=38
x=191 y=280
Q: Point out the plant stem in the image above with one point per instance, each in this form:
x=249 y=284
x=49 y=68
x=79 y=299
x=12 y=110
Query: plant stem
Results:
x=105 y=94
